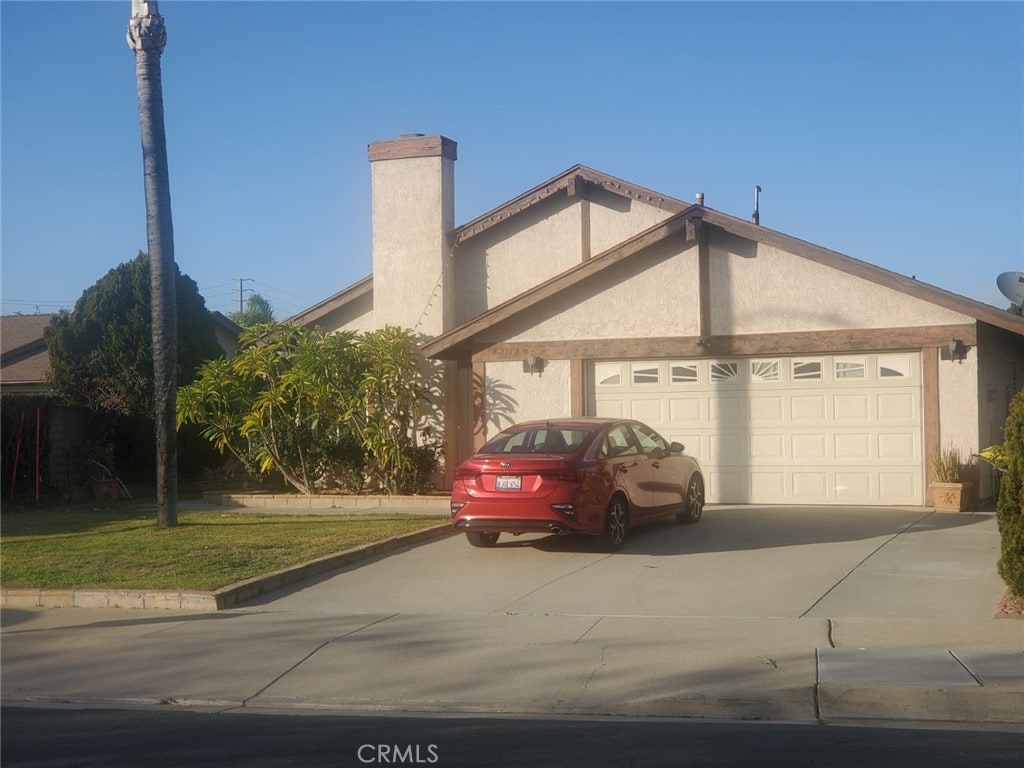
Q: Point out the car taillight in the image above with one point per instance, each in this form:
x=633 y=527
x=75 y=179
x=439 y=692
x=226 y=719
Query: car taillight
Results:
x=564 y=475
x=456 y=506
x=466 y=475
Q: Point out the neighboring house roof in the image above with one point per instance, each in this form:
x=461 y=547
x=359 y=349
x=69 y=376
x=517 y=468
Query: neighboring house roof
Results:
x=23 y=357
x=333 y=303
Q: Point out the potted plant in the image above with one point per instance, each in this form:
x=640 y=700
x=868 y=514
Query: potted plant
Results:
x=953 y=487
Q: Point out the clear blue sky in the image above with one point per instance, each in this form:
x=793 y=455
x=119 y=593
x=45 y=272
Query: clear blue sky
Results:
x=891 y=132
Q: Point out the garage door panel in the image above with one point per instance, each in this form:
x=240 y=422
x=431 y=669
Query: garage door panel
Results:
x=896 y=446
x=852 y=447
x=770 y=486
x=898 y=406
x=727 y=411
x=808 y=408
x=767 y=410
x=853 y=486
x=852 y=408
x=815 y=429
x=810 y=487
x=648 y=410
x=613 y=408
x=811 y=446
x=904 y=484
x=767 y=447
x=685 y=410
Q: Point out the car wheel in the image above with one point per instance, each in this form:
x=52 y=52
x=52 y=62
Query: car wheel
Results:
x=481 y=539
x=693 y=502
x=616 y=523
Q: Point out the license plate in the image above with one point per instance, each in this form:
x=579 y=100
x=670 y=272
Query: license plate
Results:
x=508 y=483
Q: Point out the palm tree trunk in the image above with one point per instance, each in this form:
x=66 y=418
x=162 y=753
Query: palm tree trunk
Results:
x=147 y=37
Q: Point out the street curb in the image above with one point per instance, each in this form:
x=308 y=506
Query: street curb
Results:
x=840 y=702
x=216 y=600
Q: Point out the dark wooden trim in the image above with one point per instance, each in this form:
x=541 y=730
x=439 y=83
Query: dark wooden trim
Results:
x=412 y=146
x=332 y=303
x=804 y=342
x=704 y=285
x=449 y=344
x=572 y=181
x=585 y=249
x=479 y=406
x=453 y=417
x=930 y=401
x=577 y=388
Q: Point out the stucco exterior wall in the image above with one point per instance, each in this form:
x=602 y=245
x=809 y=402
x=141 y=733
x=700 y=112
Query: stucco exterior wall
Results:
x=357 y=315
x=1000 y=377
x=651 y=294
x=958 y=403
x=512 y=396
x=614 y=218
x=759 y=289
x=542 y=242
x=412 y=211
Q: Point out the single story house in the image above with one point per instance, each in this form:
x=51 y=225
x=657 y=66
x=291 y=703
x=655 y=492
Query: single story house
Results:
x=795 y=374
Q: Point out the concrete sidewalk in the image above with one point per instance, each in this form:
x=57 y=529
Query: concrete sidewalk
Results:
x=516 y=646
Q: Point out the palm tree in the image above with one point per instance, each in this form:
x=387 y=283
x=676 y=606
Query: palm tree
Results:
x=147 y=37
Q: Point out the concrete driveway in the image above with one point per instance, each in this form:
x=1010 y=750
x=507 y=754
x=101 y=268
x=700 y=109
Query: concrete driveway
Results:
x=809 y=614
x=739 y=561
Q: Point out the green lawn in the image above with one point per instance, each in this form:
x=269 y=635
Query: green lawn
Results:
x=117 y=545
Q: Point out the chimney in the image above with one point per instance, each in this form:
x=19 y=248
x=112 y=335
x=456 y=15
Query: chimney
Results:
x=700 y=198
x=412 y=183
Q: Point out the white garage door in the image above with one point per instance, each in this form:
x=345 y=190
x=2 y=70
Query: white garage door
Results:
x=826 y=429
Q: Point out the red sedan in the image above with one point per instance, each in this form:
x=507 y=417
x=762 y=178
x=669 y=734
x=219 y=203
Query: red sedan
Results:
x=594 y=476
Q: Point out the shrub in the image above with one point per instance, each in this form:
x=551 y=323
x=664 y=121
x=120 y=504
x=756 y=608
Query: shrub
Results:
x=949 y=465
x=1010 y=507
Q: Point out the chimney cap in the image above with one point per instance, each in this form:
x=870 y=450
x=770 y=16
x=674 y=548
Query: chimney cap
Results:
x=412 y=145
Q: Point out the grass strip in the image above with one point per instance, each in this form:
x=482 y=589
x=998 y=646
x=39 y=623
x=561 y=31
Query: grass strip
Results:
x=118 y=545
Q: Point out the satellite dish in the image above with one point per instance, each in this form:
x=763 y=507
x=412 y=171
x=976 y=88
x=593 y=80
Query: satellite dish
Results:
x=1011 y=285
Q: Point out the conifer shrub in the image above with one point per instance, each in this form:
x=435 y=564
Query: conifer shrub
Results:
x=1010 y=507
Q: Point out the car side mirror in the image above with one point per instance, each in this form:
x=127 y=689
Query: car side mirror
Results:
x=676 y=448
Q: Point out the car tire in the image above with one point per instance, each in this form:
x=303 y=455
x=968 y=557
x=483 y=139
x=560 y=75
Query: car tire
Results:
x=616 y=523
x=482 y=539
x=693 y=502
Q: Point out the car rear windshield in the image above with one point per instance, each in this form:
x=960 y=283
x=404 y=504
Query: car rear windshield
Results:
x=540 y=440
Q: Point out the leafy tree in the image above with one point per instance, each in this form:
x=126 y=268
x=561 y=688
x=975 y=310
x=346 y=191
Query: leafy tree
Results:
x=1010 y=506
x=101 y=353
x=392 y=392
x=257 y=311
x=324 y=410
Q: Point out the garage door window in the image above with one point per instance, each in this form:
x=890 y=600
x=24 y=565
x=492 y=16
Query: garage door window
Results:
x=807 y=370
x=607 y=374
x=847 y=368
x=894 y=366
x=684 y=373
x=645 y=373
x=725 y=371
x=764 y=371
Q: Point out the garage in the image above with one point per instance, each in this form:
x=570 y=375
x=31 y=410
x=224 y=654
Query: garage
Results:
x=817 y=429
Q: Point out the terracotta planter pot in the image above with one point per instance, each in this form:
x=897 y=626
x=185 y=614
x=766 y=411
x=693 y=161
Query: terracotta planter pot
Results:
x=953 y=497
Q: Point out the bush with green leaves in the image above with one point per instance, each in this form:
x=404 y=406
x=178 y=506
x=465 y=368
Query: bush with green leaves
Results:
x=333 y=411
x=1010 y=507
